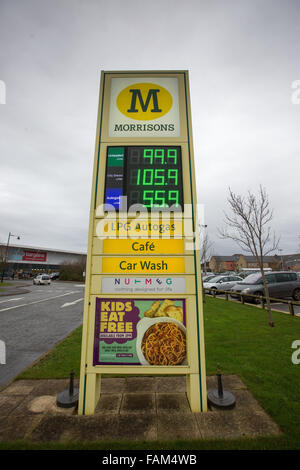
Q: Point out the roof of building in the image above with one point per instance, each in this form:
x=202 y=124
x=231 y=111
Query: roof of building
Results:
x=295 y=257
x=38 y=248
x=224 y=258
x=252 y=259
x=265 y=258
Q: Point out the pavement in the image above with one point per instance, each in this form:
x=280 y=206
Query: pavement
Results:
x=129 y=409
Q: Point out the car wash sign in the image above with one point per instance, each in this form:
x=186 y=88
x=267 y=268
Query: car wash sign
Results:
x=144 y=107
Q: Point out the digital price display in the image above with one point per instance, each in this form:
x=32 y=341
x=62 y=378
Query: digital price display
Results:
x=150 y=176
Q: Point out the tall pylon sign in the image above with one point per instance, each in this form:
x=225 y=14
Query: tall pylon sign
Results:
x=143 y=293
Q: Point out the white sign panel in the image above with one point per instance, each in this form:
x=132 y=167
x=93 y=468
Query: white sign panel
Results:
x=174 y=285
x=144 y=107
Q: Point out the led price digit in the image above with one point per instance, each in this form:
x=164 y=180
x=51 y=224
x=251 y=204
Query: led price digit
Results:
x=173 y=177
x=160 y=200
x=138 y=179
x=159 y=176
x=148 y=153
x=148 y=177
x=173 y=196
x=159 y=155
x=148 y=199
x=172 y=154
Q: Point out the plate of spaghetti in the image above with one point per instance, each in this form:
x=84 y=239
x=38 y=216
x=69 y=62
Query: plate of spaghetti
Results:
x=161 y=341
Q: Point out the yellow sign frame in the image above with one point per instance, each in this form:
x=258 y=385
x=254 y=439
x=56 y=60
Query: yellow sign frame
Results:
x=195 y=371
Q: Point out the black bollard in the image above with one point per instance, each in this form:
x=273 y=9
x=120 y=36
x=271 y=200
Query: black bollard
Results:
x=220 y=398
x=69 y=397
x=71 y=384
x=220 y=385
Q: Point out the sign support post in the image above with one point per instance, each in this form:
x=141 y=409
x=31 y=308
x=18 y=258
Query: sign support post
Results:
x=143 y=292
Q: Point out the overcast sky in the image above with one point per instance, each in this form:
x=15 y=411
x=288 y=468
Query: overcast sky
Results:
x=242 y=56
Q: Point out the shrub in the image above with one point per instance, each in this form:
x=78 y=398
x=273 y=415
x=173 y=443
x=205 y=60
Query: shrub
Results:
x=72 y=271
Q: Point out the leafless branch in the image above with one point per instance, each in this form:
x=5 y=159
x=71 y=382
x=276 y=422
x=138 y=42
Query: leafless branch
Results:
x=247 y=224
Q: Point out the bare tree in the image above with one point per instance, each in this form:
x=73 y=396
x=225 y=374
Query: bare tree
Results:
x=205 y=248
x=248 y=226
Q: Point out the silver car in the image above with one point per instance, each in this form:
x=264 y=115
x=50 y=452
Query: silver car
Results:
x=281 y=284
x=222 y=282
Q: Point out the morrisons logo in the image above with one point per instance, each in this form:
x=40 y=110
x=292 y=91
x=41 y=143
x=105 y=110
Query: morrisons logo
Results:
x=144 y=127
x=144 y=101
x=137 y=94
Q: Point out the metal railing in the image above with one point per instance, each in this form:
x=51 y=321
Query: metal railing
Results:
x=260 y=299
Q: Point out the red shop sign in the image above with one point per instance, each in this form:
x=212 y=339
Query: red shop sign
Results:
x=34 y=256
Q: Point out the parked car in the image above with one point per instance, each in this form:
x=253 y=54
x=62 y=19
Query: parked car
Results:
x=281 y=284
x=42 y=279
x=54 y=276
x=222 y=282
x=245 y=274
x=208 y=277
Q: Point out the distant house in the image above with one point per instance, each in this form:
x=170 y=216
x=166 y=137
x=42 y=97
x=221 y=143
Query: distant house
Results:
x=245 y=261
x=222 y=263
x=291 y=262
x=239 y=261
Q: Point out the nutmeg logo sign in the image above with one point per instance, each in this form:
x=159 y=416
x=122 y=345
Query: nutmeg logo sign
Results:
x=147 y=107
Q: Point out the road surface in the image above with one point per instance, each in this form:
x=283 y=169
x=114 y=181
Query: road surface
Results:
x=32 y=323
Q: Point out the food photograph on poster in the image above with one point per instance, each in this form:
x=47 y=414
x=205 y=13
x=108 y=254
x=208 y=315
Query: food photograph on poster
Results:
x=147 y=332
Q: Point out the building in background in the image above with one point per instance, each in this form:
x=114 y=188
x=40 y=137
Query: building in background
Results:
x=219 y=264
x=238 y=262
x=245 y=261
x=291 y=262
x=29 y=260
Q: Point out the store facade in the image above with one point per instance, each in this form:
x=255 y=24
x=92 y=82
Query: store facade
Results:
x=26 y=261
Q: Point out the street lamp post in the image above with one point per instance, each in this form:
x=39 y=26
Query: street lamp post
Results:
x=6 y=254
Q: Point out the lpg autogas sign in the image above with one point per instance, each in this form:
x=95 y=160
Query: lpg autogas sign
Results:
x=144 y=107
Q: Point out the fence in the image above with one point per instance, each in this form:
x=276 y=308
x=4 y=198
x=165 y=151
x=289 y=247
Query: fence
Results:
x=259 y=299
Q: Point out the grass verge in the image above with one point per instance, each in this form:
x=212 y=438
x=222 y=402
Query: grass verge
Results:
x=4 y=284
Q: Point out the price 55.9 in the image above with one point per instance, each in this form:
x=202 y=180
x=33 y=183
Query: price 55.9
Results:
x=160 y=198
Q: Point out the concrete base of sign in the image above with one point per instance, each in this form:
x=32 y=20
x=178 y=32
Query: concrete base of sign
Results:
x=129 y=409
x=193 y=390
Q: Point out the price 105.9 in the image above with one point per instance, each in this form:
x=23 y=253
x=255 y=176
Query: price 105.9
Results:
x=154 y=177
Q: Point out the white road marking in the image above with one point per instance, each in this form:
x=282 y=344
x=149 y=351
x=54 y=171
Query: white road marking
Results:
x=11 y=300
x=71 y=303
x=37 y=301
x=79 y=285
